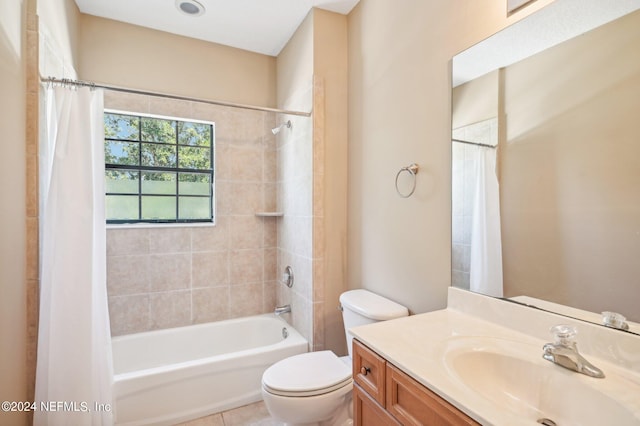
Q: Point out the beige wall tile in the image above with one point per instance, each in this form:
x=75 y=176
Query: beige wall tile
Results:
x=246 y=232
x=171 y=309
x=126 y=102
x=270 y=169
x=170 y=107
x=129 y=314
x=245 y=300
x=208 y=112
x=33 y=305
x=270 y=296
x=318 y=236
x=246 y=266
x=169 y=271
x=32 y=249
x=32 y=186
x=303 y=270
x=127 y=275
x=210 y=304
x=318 y=280
x=211 y=238
x=222 y=167
x=318 y=194
x=243 y=127
x=302 y=317
x=169 y=240
x=246 y=163
x=270 y=232
x=127 y=241
x=271 y=197
x=32 y=120
x=245 y=198
x=223 y=198
x=210 y=269
x=318 y=326
x=271 y=272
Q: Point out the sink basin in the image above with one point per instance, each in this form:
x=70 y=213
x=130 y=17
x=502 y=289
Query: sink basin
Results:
x=530 y=388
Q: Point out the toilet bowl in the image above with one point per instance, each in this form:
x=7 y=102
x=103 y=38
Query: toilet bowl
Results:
x=315 y=388
x=311 y=388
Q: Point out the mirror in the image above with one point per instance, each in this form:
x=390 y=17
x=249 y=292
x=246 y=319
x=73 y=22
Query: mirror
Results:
x=546 y=161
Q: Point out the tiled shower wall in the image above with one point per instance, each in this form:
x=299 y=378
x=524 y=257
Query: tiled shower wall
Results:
x=295 y=200
x=161 y=277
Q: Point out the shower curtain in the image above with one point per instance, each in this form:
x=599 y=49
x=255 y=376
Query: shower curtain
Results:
x=74 y=368
x=485 y=272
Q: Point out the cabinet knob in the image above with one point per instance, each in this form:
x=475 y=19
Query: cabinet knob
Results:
x=365 y=370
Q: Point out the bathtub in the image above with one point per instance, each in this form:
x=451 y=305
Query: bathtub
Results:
x=167 y=376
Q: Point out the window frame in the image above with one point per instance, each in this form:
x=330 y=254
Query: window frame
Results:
x=140 y=169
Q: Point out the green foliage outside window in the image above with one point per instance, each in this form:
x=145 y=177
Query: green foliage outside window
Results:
x=157 y=169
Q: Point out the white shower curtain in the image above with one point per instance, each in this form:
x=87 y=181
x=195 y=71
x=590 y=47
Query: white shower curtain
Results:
x=74 y=367
x=485 y=272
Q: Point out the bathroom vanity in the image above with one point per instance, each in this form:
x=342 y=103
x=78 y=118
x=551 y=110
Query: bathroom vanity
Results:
x=384 y=395
x=480 y=362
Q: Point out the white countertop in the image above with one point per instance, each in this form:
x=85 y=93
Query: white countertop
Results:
x=418 y=345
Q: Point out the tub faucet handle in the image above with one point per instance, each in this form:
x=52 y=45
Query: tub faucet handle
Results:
x=287 y=276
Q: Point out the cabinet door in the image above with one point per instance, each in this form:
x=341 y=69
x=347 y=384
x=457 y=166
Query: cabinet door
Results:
x=367 y=412
x=413 y=404
x=368 y=371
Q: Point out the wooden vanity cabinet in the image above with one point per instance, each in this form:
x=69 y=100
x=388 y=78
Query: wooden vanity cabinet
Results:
x=383 y=395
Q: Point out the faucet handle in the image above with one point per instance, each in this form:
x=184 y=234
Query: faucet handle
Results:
x=614 y=320
x=563 y=334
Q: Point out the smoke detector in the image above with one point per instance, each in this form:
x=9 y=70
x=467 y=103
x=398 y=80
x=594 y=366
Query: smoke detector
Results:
x=190 y=7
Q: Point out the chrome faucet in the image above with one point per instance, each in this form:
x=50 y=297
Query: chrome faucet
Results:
x=564 y=352
x=282 y=309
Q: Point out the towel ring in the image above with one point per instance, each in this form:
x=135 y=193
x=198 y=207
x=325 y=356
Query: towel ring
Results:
x=412 y=169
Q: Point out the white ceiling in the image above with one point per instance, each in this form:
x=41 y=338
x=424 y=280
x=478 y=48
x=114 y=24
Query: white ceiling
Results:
x=262 y=26
x=551 y=25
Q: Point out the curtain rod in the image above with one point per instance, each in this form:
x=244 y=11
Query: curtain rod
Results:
x=474 y=143
x=168 y=96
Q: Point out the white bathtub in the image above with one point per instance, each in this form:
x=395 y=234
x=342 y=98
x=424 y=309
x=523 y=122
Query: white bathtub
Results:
x=167 y=376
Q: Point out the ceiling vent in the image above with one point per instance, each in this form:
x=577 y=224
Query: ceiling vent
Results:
x=190 y=7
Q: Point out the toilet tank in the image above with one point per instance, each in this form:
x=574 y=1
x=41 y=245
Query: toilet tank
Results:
x=361 y=307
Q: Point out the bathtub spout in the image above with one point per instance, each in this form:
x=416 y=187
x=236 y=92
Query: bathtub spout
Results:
x=282 y=309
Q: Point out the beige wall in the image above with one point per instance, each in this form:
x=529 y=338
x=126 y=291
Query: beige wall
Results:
x=569 y=172
x=13 y=326
x=330 y=58
x=475 y=101
x=58 y=38
x=399 y=113
x=131 y=56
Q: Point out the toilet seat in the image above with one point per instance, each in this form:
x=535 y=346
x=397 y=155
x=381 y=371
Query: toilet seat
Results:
x=309 y=374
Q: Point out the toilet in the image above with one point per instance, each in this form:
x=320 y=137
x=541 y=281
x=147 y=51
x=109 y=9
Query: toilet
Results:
x=314 y=388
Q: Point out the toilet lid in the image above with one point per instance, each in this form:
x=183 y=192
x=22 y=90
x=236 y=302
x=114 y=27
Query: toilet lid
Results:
x=307 y=374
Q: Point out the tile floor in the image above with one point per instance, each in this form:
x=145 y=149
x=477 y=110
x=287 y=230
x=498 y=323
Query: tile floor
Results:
x=250 y=415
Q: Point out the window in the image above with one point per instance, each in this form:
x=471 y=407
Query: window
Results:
x=158 y=170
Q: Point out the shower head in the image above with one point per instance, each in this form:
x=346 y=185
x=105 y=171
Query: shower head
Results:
x=276 y=130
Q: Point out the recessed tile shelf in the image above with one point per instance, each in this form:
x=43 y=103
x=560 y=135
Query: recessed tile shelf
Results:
x=269 y=214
